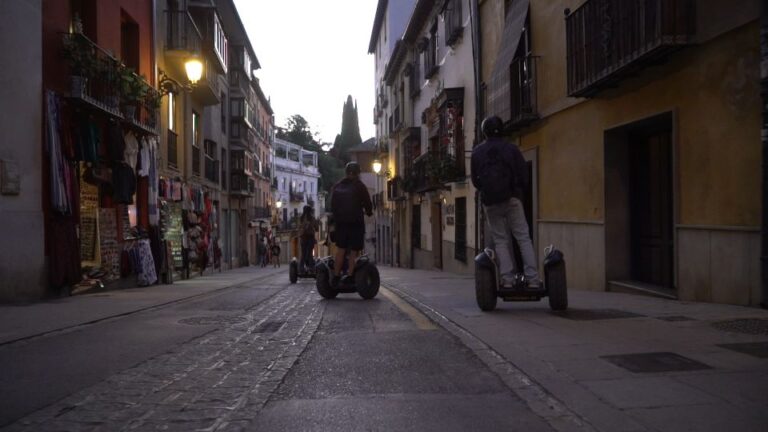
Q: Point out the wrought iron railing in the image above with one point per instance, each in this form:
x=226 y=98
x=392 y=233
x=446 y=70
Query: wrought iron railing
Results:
x=522 y=90
x=181 y=32
x=608 y=39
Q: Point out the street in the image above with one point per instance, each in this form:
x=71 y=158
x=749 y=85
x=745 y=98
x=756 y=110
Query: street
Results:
x=258 y=353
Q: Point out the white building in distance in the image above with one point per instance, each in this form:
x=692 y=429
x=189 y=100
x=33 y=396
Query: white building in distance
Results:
x=297 y=176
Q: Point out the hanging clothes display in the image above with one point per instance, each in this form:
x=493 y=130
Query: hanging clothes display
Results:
x=123 y=183
x=60 y=170
x=141 y=261
x=131 y=153
x=153 y=196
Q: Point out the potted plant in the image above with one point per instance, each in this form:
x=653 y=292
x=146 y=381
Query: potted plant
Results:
x=110 y=75
x=133 y=89
x=81 y=61
x=153 y=101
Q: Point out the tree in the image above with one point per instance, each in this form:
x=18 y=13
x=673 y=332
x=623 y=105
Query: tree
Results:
x=350 y=131
x=297 y=131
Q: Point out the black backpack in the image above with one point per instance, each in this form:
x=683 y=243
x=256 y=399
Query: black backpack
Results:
x=345 y=202
x=498 y=180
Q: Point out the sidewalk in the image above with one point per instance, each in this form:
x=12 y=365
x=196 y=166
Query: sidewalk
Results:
x=709 y=388
x=18 y=322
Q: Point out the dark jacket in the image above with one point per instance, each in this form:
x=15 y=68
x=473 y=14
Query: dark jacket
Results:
x=352 y=200
x=508 y=156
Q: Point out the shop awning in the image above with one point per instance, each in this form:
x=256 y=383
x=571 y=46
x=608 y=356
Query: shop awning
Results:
x=498 y=90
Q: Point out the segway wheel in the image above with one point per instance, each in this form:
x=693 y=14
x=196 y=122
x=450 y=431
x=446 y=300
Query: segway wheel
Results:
x=293 y=272
x=554 y=282
x=367 y=281
x=323 y=283
x=485 y=288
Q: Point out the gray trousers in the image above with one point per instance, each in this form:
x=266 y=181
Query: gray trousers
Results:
x=505 y=218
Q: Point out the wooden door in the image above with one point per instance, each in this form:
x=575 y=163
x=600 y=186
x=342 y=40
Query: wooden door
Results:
x=437 y=234
x=651 y=209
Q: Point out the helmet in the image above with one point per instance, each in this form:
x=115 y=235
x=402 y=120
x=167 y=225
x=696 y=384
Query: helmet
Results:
x=492 y=126
x=352 y=168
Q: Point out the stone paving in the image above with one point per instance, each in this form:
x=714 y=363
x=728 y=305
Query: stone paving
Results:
x=217 y=382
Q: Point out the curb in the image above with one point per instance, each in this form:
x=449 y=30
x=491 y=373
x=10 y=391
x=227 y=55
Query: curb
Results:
x=539 y=400
x=131 y=312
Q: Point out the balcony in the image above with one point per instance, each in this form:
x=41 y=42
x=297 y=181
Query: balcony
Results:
x=95 y=75
x=432 y=171
x=241 y=185
x=260 y=213
x=182 y=36
x=522 y=89
x=608 y=40
x=453 y=25
x=212 y=170
x=238 y=81
x=395 y=191
x=103 y=83
x=207 y=89
x=297 y=196
x=214 y=41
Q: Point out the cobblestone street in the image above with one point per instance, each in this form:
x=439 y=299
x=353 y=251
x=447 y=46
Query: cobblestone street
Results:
x=212 y=382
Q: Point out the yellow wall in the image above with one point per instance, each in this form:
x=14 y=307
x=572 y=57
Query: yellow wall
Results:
x=712 y=88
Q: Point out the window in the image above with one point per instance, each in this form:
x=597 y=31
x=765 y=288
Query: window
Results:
x=220 y=42
x=195 y=143
x=223 y=108
x=453 y=21
x=211 y=164
x=172 y=112
x=129 y=41
x=430 y=62
x=223 y=162
x=522 y=79
x=416 y=227
x=461 y=230
x=415 y=76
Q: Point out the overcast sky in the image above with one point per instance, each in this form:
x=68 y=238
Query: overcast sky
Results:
x=313 y=53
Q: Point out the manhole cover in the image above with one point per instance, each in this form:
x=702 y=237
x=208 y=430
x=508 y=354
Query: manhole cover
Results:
x=751 y=326
x=655 y=362
x=213 y=320
x=595 y=314
x=755 y=349
x=269 y=327
x=673 y=318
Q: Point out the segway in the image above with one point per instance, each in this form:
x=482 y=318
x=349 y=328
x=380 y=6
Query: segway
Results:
x=296 y=271
x=364 y=281
x=489 y=287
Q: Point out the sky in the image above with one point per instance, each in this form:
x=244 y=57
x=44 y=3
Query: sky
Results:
x=313 y=53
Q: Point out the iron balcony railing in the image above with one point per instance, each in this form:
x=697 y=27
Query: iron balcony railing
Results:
x=181 y=32
x=261 y=213
x=522 y=89
x=609 y=39
x=241 y=184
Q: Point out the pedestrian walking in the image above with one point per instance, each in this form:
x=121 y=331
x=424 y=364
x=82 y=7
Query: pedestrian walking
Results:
x=275 y=250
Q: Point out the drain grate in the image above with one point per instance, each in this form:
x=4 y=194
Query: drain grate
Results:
x=213 y=320
x=754 y=349
x=655 y=362
x=674 y=318
x=596 y=314
x=750 y=326
x=269 y=327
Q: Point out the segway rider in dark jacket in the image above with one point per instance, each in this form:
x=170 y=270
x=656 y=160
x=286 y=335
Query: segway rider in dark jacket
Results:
x=500 y=173
x=349 y=200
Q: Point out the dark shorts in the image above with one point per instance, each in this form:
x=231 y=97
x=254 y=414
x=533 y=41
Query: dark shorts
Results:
x=350 y=236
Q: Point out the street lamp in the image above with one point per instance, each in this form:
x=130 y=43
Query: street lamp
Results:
x=376 y=166
x=279 y=204
x=194 y=68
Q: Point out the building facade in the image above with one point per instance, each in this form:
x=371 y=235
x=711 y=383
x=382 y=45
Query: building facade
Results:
x=134 y=153
x=643 y=141
x=425 y=116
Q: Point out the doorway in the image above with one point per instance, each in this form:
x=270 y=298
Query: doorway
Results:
x=437 y=234
x=639 y=206
x=650 y=197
